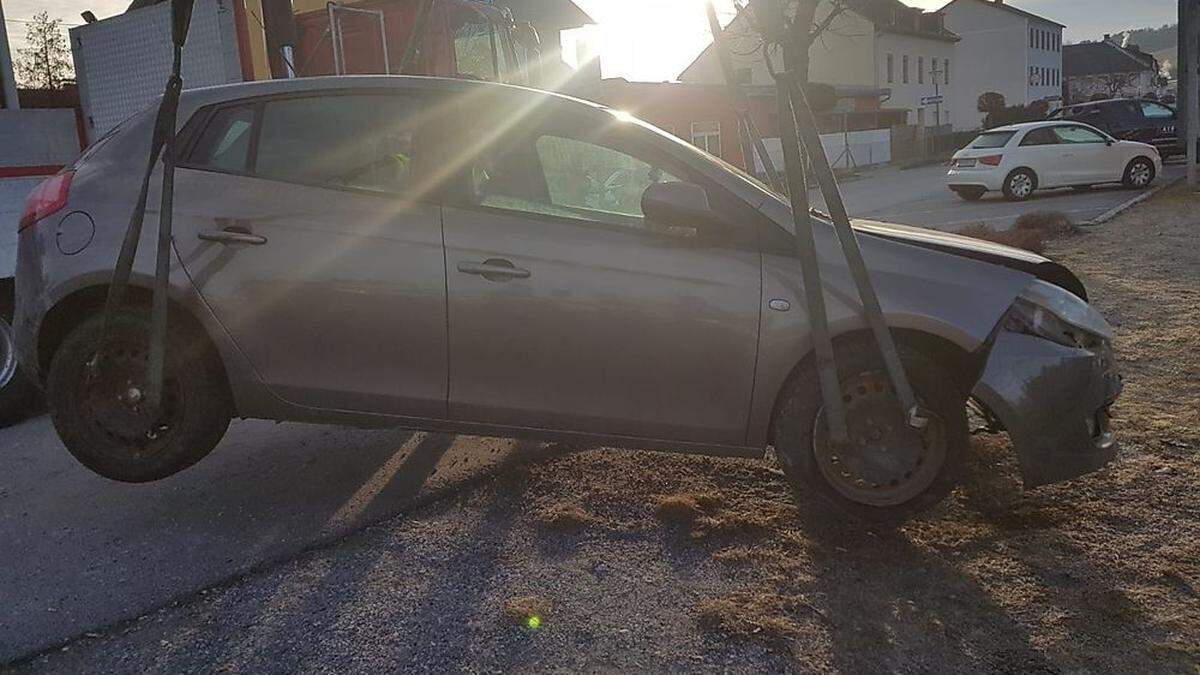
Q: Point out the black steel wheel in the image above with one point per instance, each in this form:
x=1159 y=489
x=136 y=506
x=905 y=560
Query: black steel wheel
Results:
x=100 y=408
x=889 y=470
x=18 y=394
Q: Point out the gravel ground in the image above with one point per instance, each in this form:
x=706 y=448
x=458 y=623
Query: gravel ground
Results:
x=612 y=560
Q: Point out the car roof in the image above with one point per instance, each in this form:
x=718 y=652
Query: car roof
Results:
x=202 y=96
x=1025 y=126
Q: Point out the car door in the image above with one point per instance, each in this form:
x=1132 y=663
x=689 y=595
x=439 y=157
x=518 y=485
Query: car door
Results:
x=569 y=311
x=297 y=221
x=1040 y=151
x=1087 y=156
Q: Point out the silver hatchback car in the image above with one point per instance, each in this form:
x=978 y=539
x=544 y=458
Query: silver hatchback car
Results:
x=471 y=257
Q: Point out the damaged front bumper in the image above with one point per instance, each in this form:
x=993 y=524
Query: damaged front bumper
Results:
x=1053 y=400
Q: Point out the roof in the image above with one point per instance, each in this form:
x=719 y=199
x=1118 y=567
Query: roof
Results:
x=556 y=14
x=878 y=12
x=1104 y=57
x=1003 y=5
x=1024 y=126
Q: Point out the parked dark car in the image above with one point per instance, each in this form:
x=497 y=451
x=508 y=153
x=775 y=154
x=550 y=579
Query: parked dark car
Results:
x=1129 y=119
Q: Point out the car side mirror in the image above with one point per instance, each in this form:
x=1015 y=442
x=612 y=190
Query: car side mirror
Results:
x=679 y=205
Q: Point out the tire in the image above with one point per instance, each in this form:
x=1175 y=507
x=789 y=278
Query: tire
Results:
x=1139 y=174
x=1020 y=185
x=933 y=463
x=95 y=411
x=970 y=194
x=19 y=396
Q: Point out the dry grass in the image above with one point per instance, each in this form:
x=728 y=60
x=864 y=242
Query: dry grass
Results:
x=563 y=516
x=1030 y=240
x=527 y=611
x=1031 y=231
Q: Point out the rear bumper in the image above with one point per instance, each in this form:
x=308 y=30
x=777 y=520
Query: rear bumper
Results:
x=1054 y=402
x=988 y=179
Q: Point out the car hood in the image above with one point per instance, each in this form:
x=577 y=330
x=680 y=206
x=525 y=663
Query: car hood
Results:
x=978 y=249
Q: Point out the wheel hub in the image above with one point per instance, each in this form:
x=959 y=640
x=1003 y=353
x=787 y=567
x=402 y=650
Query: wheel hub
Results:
x=885 y=461
x=114 y=398
x=8 y=355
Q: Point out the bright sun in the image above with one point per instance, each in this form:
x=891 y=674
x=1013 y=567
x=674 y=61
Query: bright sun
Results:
x=647 y=40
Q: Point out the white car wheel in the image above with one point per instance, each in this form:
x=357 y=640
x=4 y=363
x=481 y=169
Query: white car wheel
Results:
x=1139 y=173
x=1020 y=185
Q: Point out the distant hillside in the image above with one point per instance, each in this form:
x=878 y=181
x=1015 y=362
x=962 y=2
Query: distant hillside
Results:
x=1162 y=42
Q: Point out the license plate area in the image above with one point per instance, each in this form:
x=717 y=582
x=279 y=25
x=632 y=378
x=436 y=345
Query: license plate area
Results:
x=966 y=163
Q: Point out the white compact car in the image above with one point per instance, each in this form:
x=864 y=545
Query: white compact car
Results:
x=1022 y=158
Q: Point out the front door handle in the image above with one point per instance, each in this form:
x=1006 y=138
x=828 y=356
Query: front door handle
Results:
x=494 y=269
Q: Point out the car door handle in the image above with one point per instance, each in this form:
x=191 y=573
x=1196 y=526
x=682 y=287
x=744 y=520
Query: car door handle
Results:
x=494 y=269
x=234 y=234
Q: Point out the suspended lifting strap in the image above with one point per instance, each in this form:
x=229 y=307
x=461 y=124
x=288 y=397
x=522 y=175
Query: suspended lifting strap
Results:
x=162 y=142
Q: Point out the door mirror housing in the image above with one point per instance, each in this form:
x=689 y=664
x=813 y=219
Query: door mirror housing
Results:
x=679 y=205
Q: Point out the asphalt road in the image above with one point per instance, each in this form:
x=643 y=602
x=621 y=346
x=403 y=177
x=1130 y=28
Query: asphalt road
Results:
x=80 y=552
x=919 y=197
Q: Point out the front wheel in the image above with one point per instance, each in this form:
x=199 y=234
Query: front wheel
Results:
x=889 y=471
x=1139 y=174
x=100 y=410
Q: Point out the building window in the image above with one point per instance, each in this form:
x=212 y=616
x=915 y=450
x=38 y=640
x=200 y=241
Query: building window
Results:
x=920 y=70
x=891 y=68
x=904 y=69
x=707 y=137
x=1032 y=38
x=946 y=70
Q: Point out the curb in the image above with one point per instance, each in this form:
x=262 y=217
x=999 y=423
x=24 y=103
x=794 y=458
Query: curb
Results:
x=1129 y=204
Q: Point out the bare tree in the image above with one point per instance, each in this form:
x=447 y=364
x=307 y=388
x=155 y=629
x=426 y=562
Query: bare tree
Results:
x=45 y=60
x=1115 y=83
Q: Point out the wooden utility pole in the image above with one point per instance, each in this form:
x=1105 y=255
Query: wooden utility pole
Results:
x=1189 y=73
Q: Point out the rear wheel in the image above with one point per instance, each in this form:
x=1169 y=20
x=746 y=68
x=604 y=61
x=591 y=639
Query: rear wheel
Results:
x=1139 y=174
x=100 y=410
x=889 y=470
x=1020 y=185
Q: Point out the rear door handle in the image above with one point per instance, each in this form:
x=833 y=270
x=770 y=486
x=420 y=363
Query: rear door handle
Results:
x=232 y=234
x=494 y=269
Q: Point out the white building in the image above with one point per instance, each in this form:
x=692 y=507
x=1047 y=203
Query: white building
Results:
x=901 y=53
x=1005 y=50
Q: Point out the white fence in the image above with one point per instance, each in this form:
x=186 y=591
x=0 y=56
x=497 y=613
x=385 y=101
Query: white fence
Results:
x=845 y=150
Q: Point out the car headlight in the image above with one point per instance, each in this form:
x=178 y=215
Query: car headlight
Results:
x=1047 y=311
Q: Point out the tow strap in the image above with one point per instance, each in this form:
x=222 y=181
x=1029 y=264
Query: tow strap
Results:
x=162 y=143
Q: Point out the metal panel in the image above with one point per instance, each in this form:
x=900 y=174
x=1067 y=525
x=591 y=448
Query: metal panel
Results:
x=126 y=59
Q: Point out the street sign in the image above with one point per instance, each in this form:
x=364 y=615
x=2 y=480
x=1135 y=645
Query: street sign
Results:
x=932 y=100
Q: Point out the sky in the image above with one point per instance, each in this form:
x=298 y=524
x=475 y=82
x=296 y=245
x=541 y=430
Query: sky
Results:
x=654 y=40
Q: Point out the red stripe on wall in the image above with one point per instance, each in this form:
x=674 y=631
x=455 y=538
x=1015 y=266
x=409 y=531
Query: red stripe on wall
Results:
x=22 y=171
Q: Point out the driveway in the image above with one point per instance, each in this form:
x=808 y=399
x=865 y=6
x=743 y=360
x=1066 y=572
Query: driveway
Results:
x=81 y=552
x=919 y=197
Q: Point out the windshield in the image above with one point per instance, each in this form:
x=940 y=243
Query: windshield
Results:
x=992 y=139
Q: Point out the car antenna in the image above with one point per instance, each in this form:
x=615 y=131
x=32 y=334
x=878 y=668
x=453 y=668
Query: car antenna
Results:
x=799 y=133
x=162 y=142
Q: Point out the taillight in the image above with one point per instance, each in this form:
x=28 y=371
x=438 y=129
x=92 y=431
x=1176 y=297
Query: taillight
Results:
x=991 y=160
x=49 y=197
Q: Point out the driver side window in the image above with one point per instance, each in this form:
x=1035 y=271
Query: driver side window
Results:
x=556 y=175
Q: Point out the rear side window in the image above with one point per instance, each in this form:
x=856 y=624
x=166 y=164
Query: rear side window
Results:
x=992 y=139
x=225 y=142
x=357 y=141
x=1156 y=111
x=1042 y=136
